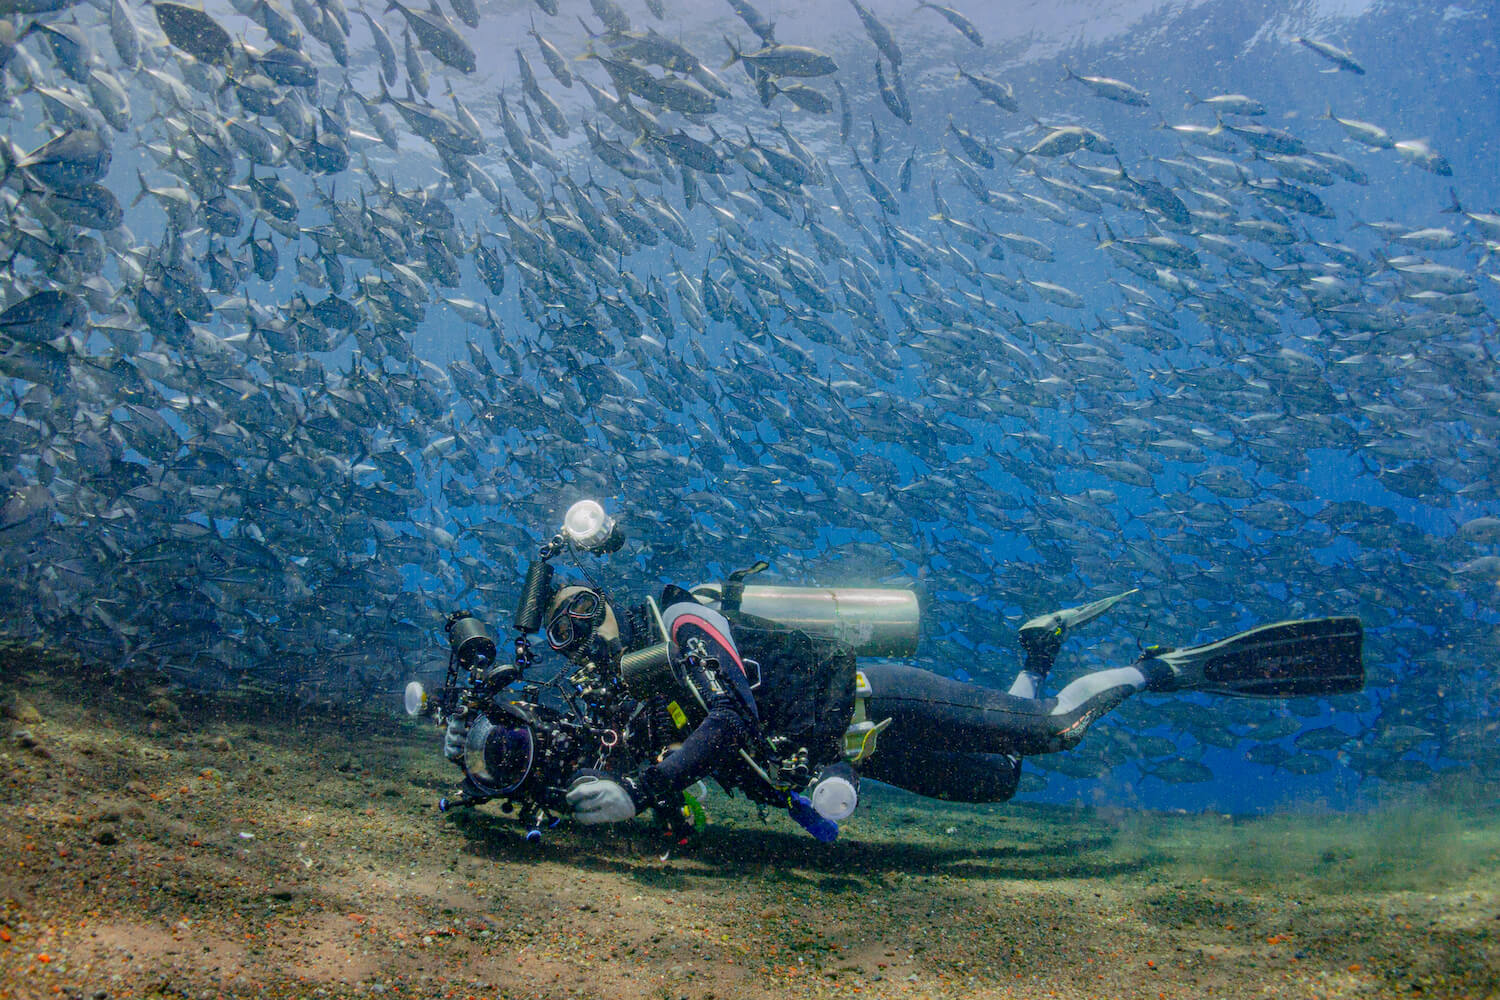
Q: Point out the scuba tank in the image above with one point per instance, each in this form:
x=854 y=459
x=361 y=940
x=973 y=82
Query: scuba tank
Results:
x=871 y=621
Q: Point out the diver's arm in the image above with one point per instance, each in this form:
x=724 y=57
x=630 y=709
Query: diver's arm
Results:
x=601 y=797
x=712 y=666
x=713 y=743
x=716 y=674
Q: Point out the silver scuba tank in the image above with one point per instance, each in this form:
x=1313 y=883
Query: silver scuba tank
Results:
x=873 y=621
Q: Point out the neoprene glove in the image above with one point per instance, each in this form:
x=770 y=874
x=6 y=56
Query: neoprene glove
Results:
x=454 y=739
x=599 y=797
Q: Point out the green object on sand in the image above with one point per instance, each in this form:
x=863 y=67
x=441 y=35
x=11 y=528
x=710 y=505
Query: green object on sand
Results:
x=695 y=811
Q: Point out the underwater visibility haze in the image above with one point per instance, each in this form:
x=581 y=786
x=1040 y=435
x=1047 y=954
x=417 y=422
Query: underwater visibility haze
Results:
x=316 y=316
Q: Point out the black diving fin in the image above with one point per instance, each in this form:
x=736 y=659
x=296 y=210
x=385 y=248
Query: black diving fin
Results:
x=1042 y=636
x=1319 y=656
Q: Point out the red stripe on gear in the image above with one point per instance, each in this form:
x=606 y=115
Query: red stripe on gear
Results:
x=713 y=634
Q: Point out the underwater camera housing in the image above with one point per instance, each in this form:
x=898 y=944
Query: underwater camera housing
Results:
x=522 y=752
x=516 y=747
x=519 y=747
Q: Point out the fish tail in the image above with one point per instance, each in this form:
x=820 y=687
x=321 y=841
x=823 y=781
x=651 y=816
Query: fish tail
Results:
x=1454 y=208
x=1193 y=99
x=734 y=53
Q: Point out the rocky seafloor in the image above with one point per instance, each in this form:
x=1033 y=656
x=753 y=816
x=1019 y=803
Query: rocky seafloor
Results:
x=158 y=844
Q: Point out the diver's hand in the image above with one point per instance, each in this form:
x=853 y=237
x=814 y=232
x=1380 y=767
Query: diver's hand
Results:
x=599 y=797
x=454 y=739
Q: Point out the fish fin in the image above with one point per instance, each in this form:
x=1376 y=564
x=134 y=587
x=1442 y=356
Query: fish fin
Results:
x=735 y=55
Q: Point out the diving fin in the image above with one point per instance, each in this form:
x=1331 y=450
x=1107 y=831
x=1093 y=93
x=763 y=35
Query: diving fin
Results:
x=1319 y=656
x=1043 y=635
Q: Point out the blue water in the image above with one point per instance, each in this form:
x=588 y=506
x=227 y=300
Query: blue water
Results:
x=1430 y=73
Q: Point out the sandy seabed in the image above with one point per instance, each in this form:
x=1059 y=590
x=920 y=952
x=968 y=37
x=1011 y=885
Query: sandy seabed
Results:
x=155 y=844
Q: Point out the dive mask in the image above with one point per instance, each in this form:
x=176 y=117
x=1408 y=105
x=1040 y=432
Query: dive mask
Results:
x=575 y=620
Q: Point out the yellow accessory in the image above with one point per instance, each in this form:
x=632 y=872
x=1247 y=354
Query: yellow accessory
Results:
x=859 y=738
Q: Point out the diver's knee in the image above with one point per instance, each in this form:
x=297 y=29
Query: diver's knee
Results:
x=1005 y=778
x=1067 y=738
x=1009 y=781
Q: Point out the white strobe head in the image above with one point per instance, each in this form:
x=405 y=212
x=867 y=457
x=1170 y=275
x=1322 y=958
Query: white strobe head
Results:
x=416 y=698
x=587 y=525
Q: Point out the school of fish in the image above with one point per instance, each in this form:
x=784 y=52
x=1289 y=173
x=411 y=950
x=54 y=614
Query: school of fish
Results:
x=307 y=341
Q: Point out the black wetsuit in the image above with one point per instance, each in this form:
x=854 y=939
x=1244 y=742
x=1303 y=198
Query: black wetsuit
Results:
x=947 y=739
x=952 y=740
x=700 y=634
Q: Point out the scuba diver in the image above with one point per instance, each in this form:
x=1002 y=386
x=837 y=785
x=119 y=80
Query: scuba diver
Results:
x=760 y=688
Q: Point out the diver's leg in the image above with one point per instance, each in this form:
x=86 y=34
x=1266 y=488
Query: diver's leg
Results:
x=1035 y=667
x=929 y=711
x=955 y=775
x=1041 y=638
